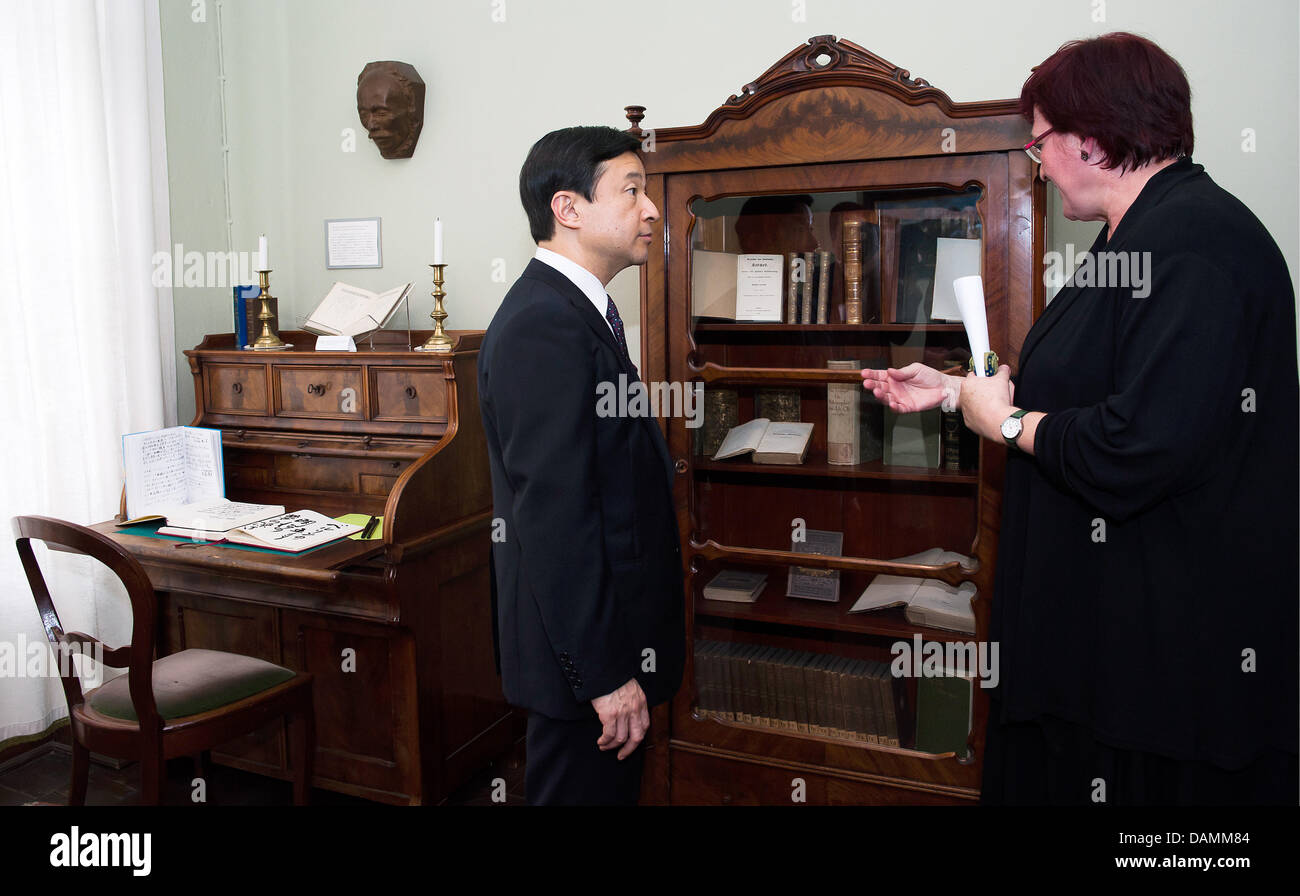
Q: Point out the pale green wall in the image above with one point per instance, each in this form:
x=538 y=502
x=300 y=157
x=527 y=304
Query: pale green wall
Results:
x=493 y=88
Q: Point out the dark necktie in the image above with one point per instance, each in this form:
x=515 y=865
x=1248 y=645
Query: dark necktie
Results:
x=616 y=324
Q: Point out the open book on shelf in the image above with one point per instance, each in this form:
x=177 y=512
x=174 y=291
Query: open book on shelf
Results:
x=770 y=442
x=927 y=602
x=353 y=311
x=294 y=532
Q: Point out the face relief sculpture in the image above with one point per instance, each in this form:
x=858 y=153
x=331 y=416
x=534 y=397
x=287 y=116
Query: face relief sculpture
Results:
x=390 y=101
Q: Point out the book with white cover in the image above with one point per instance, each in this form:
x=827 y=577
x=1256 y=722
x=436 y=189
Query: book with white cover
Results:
x=353 y=311
x=927 y=602
x=770 y=442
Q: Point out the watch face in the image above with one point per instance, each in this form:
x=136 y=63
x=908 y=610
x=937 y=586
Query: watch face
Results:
x=1011 y=427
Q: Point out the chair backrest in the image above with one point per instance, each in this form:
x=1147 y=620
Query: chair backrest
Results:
x=137 y=656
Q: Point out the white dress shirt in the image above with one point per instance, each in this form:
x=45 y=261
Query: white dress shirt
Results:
x=580 y=277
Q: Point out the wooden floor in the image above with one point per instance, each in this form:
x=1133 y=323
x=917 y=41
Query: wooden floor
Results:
x=41 y=777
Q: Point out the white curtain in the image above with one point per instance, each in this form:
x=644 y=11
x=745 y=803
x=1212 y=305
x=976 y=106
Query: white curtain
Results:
x=87 y=351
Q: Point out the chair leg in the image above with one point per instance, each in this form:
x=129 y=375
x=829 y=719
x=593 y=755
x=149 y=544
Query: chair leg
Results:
x=152 y=768
x=302 y=739
x=80 y=774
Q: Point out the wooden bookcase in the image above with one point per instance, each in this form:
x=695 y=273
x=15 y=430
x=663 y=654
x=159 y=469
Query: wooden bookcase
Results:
x=836 y=123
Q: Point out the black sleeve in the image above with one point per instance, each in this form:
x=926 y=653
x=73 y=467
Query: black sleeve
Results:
x=1181 y=355
x=544 y=394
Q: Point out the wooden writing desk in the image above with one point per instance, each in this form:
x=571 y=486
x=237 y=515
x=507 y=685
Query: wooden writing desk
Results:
x=397 y=631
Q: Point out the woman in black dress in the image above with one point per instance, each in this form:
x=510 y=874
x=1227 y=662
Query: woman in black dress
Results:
x=1146 y=592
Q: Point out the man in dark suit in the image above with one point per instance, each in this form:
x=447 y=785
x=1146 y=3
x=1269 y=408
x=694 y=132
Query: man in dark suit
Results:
x=588 y=577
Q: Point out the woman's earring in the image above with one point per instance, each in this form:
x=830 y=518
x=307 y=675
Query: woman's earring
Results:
x=1083 y=155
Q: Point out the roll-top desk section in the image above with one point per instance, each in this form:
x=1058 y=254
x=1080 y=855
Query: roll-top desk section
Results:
x=398 y=631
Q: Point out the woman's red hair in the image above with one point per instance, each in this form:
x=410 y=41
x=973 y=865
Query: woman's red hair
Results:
x=1122 y=91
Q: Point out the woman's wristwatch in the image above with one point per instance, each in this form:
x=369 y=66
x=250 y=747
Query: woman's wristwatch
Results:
x=1012 y=427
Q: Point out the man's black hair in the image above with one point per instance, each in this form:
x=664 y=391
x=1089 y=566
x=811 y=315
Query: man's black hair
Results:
x=567 y=159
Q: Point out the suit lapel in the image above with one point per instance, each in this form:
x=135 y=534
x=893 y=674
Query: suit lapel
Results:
x=600 y=327
x=586 y=310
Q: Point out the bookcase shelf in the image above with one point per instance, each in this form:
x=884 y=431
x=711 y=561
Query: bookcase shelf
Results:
x=820 y=468
x=764 y=176
x=774 y=607
x=828 y=328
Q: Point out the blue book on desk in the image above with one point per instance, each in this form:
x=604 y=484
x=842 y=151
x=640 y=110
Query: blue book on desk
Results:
x=243 y=295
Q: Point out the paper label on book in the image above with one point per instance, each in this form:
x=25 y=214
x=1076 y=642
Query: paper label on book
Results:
x=759 y=287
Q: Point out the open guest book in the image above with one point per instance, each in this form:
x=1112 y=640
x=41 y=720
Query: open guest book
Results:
x=301 y=530
x=353 y=311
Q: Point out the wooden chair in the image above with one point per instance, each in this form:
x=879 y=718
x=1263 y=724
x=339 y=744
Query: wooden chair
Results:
x=179 y=705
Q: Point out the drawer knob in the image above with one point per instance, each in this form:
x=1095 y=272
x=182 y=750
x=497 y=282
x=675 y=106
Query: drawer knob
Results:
x=237 y=388
x=410 y=391
x=680 y=466
x=316 y=388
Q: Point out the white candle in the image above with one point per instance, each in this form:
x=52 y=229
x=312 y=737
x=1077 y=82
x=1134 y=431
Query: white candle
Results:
x=437 y=240
x=261 y=254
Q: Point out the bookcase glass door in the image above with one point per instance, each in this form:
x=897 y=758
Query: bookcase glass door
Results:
x=781 y=285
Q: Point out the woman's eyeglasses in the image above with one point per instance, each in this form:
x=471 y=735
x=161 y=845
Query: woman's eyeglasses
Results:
x=1034 y=148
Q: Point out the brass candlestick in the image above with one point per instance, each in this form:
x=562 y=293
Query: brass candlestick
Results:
x=269 y=340
x=439 y=341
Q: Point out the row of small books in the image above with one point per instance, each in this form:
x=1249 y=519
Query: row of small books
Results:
x=797 y=691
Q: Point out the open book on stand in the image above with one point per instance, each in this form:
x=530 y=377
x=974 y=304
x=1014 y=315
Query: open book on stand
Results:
x=353 y=311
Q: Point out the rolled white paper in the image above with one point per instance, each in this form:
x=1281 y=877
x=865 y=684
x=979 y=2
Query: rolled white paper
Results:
x=437 y=240
x=970 y=301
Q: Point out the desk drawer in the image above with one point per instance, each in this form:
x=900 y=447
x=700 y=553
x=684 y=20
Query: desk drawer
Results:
x=333 y=392
x=409 y=393
x=236 y=388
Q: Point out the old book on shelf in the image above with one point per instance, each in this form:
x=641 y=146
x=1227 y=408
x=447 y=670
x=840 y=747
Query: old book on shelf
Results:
x=823 y=285
x=353 y=311
x=721 y=413
x=806 y=297
x=943 y=713
x=793 y=264
x=759 y=288
x=927 y=602
x=852 y=270
x=854 y=420
x=169 y=468
x=782 y=405
x=809 y=582
x=736 y=585
x=770 y=442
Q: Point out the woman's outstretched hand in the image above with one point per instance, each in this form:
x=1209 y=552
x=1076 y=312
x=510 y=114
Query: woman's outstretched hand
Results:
x=915 y=387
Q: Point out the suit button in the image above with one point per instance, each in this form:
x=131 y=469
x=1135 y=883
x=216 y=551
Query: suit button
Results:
x=577 y=683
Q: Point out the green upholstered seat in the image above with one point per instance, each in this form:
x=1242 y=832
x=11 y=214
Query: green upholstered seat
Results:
x=191 y=682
